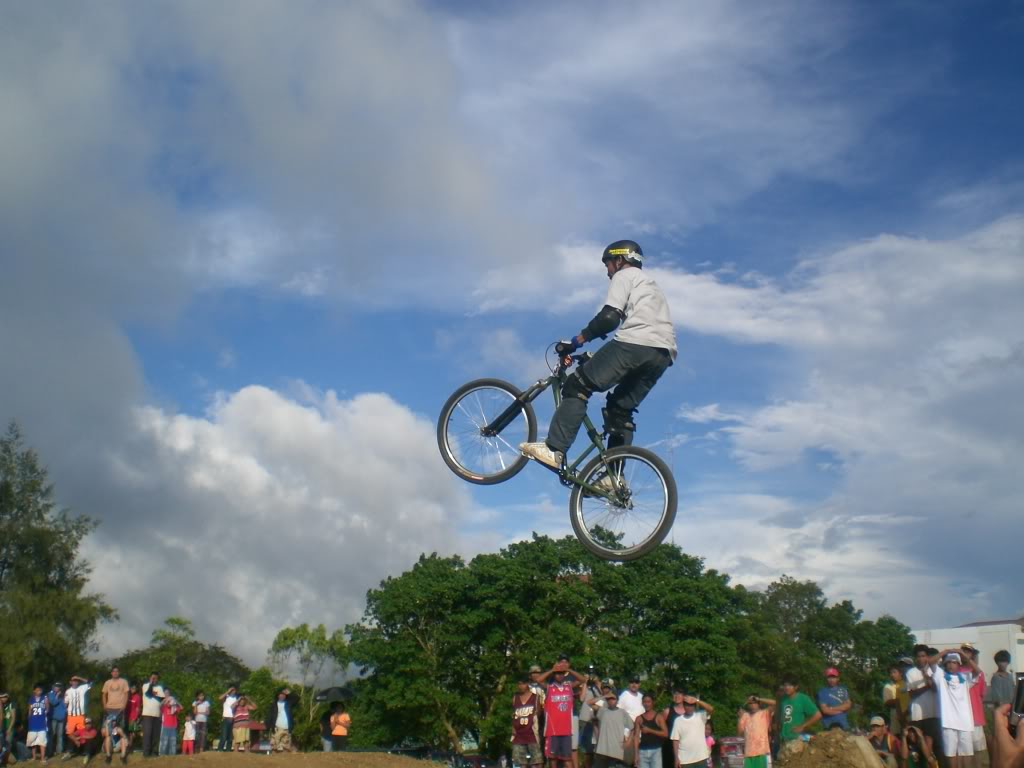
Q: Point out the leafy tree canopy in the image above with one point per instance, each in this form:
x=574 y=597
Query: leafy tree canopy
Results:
x=47 y=619
x=442 y=645
x=311 y=653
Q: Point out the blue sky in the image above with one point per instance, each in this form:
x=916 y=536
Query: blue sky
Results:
x=247 y=263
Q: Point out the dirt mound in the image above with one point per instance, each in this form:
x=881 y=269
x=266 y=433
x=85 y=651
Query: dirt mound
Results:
x=256 y=760
x=832 y=749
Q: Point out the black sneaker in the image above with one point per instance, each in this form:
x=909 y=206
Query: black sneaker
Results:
x=107 y=759
x=124 y=759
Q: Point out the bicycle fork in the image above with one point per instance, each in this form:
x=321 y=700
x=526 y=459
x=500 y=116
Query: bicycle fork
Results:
x=509 y=415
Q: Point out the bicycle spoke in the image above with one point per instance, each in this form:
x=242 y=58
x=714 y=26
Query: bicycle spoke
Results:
x=466 y=444
x=631 y=518
x=479 y=425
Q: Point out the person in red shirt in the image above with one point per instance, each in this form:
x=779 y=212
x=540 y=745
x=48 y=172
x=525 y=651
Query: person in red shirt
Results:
x=83 y=740
x=976 y=693
x=133 y=713
x=558 y=710
x=169 y=709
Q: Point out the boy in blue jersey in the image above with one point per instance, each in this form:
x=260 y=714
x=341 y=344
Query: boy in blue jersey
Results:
x=36 y=726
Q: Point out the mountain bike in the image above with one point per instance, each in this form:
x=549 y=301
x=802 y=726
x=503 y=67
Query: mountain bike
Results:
x=623 y=500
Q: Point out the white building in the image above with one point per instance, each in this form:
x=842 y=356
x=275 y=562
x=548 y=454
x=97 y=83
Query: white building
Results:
x=987 y=636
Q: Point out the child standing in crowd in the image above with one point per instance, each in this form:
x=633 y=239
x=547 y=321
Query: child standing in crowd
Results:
x=35 y=737
x=201 y=710
x=240 y=735
x=133 y=712
x=169 y=710
x=188 y=738
x=709 y=738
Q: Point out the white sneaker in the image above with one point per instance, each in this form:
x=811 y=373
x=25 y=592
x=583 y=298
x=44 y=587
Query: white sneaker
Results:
x=540 y=452
x=606 y=483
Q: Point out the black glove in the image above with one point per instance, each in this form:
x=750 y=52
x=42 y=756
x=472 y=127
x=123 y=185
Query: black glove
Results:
x=563 y=348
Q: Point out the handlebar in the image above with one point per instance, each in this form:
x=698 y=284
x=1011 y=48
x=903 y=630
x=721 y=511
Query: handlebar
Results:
x=566 y=362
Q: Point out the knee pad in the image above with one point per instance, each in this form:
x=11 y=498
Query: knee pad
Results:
x=576 y=387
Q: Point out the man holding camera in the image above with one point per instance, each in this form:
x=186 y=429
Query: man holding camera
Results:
x=1008 y=740
x=152 y=699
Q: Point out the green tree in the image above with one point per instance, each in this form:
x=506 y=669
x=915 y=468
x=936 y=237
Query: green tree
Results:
x=312 y=653
x=185 y=665
x=47 y=619
x=443 y=644
x=793 y=631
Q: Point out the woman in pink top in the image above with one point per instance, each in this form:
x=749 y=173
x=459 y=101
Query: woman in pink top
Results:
x=753 y=727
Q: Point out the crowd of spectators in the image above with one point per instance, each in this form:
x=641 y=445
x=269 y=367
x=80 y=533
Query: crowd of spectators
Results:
x=937 y=709
x=931 y=712
x=150 y=718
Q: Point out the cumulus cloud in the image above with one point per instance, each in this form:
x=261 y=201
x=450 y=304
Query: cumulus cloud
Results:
x=267 y=511
x=392 y=155
x=658 y=116
x=905 y=356
x=911 y=352
x=706 y=414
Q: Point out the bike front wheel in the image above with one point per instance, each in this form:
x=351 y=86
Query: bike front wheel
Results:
x=467 y=447
x=635 y=509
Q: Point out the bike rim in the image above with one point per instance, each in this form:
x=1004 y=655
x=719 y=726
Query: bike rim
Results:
x=634 y=518
x=467 y=447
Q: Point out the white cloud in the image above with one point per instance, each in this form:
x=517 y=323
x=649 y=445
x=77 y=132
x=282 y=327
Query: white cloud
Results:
x=706 y=414
x=379 y=155
x=271 y=508
x=913 y=358
x=658 y=115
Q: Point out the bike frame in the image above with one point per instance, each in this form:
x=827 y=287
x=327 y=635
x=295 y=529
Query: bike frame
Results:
x=568 y=474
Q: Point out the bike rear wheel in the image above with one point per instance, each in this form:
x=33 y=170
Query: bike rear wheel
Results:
x=468 y=452
x=640 y=513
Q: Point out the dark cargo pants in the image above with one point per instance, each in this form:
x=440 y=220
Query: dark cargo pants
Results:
x=631 y=368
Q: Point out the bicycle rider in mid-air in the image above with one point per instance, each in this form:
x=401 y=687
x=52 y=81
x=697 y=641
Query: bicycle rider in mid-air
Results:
x=643 y=348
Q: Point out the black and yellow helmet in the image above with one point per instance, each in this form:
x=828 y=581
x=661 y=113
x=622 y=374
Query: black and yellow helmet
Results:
x=627 y=249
